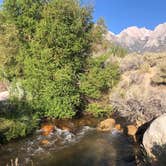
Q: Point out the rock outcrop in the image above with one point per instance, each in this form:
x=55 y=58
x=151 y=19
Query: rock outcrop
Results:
x=154 y=139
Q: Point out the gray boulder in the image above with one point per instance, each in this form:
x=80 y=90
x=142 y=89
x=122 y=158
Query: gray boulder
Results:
x=154 y=139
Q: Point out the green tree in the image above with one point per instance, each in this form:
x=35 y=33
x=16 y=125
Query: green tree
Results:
x=25 y=14
x=99 y=77
x=55 y=42
x=8 y=44
x=118 y=51
x=99 y=31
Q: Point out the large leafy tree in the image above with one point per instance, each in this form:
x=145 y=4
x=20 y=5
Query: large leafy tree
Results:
x=54 y=42
x=25 y=14
x=8 y=43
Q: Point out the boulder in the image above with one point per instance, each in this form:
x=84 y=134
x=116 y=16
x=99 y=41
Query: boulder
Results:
x=154 y=138
x=47 y=129
x=106 y=125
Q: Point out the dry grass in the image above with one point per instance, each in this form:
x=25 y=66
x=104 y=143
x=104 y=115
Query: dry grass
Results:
x=160 y=76
x=131 y=62
x=135 y=97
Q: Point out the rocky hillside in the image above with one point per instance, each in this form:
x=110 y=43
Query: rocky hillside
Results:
x=141 y=93
x=141 y=39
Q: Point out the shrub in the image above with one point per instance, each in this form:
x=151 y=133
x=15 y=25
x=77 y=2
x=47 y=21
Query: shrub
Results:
x=99 y=42
x=131 y=62
x=17 y=120
x=99 y=78
x=145 y=68
x=99 y=109
x=95 y=83
x=160 y=76
x=118 y=51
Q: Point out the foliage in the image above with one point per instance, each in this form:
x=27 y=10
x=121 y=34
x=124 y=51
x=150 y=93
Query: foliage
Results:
x=99 y=77
x=98 y=33
x=54 y=42
x=99 y=29
x=46 y=48
x=99 y=109
x=145 y=68
x=25 y=15
x=16 y=120
x=8 y=45
x=118 y=51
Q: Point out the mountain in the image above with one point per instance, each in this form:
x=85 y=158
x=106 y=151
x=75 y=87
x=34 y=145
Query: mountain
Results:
x=141 y=39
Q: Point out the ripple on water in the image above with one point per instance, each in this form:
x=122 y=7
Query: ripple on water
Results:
x=86 y=147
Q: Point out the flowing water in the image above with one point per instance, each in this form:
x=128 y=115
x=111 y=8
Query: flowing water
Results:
x=82 y=147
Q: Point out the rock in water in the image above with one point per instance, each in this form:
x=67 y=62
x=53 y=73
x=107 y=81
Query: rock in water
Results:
x=44 y=142
x=106 y=125
x=47 y=129
x=118 y=127
x=131 y=131
x=154 y=139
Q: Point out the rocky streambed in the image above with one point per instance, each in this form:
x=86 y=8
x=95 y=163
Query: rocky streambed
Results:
x=71 y=143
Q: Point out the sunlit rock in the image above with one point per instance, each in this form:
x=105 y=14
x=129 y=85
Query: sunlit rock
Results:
x=106 y=125
x=131 y=131
x=118 y=127
x=47 y=129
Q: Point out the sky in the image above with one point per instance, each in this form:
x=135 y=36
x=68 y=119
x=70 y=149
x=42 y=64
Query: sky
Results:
x=120 y=14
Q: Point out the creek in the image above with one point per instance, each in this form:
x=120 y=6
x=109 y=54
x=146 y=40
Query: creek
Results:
x=77 y=144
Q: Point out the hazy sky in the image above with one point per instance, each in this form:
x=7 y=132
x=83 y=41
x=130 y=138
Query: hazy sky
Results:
x=120 y=14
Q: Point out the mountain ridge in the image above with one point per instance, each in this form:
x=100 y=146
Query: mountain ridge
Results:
x=136 y=39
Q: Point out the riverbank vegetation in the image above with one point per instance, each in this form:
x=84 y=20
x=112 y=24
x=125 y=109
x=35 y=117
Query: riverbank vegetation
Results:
x=47 y=58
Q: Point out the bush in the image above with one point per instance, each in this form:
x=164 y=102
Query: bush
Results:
x=99 y=78
x=131 y=62
x=95 y=84
x=99 y=109
x=118 y=51
x=145 y=68
x=17 y=120
x=160 y=77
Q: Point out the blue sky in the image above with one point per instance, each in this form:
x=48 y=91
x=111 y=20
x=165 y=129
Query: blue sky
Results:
x=120 y=14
